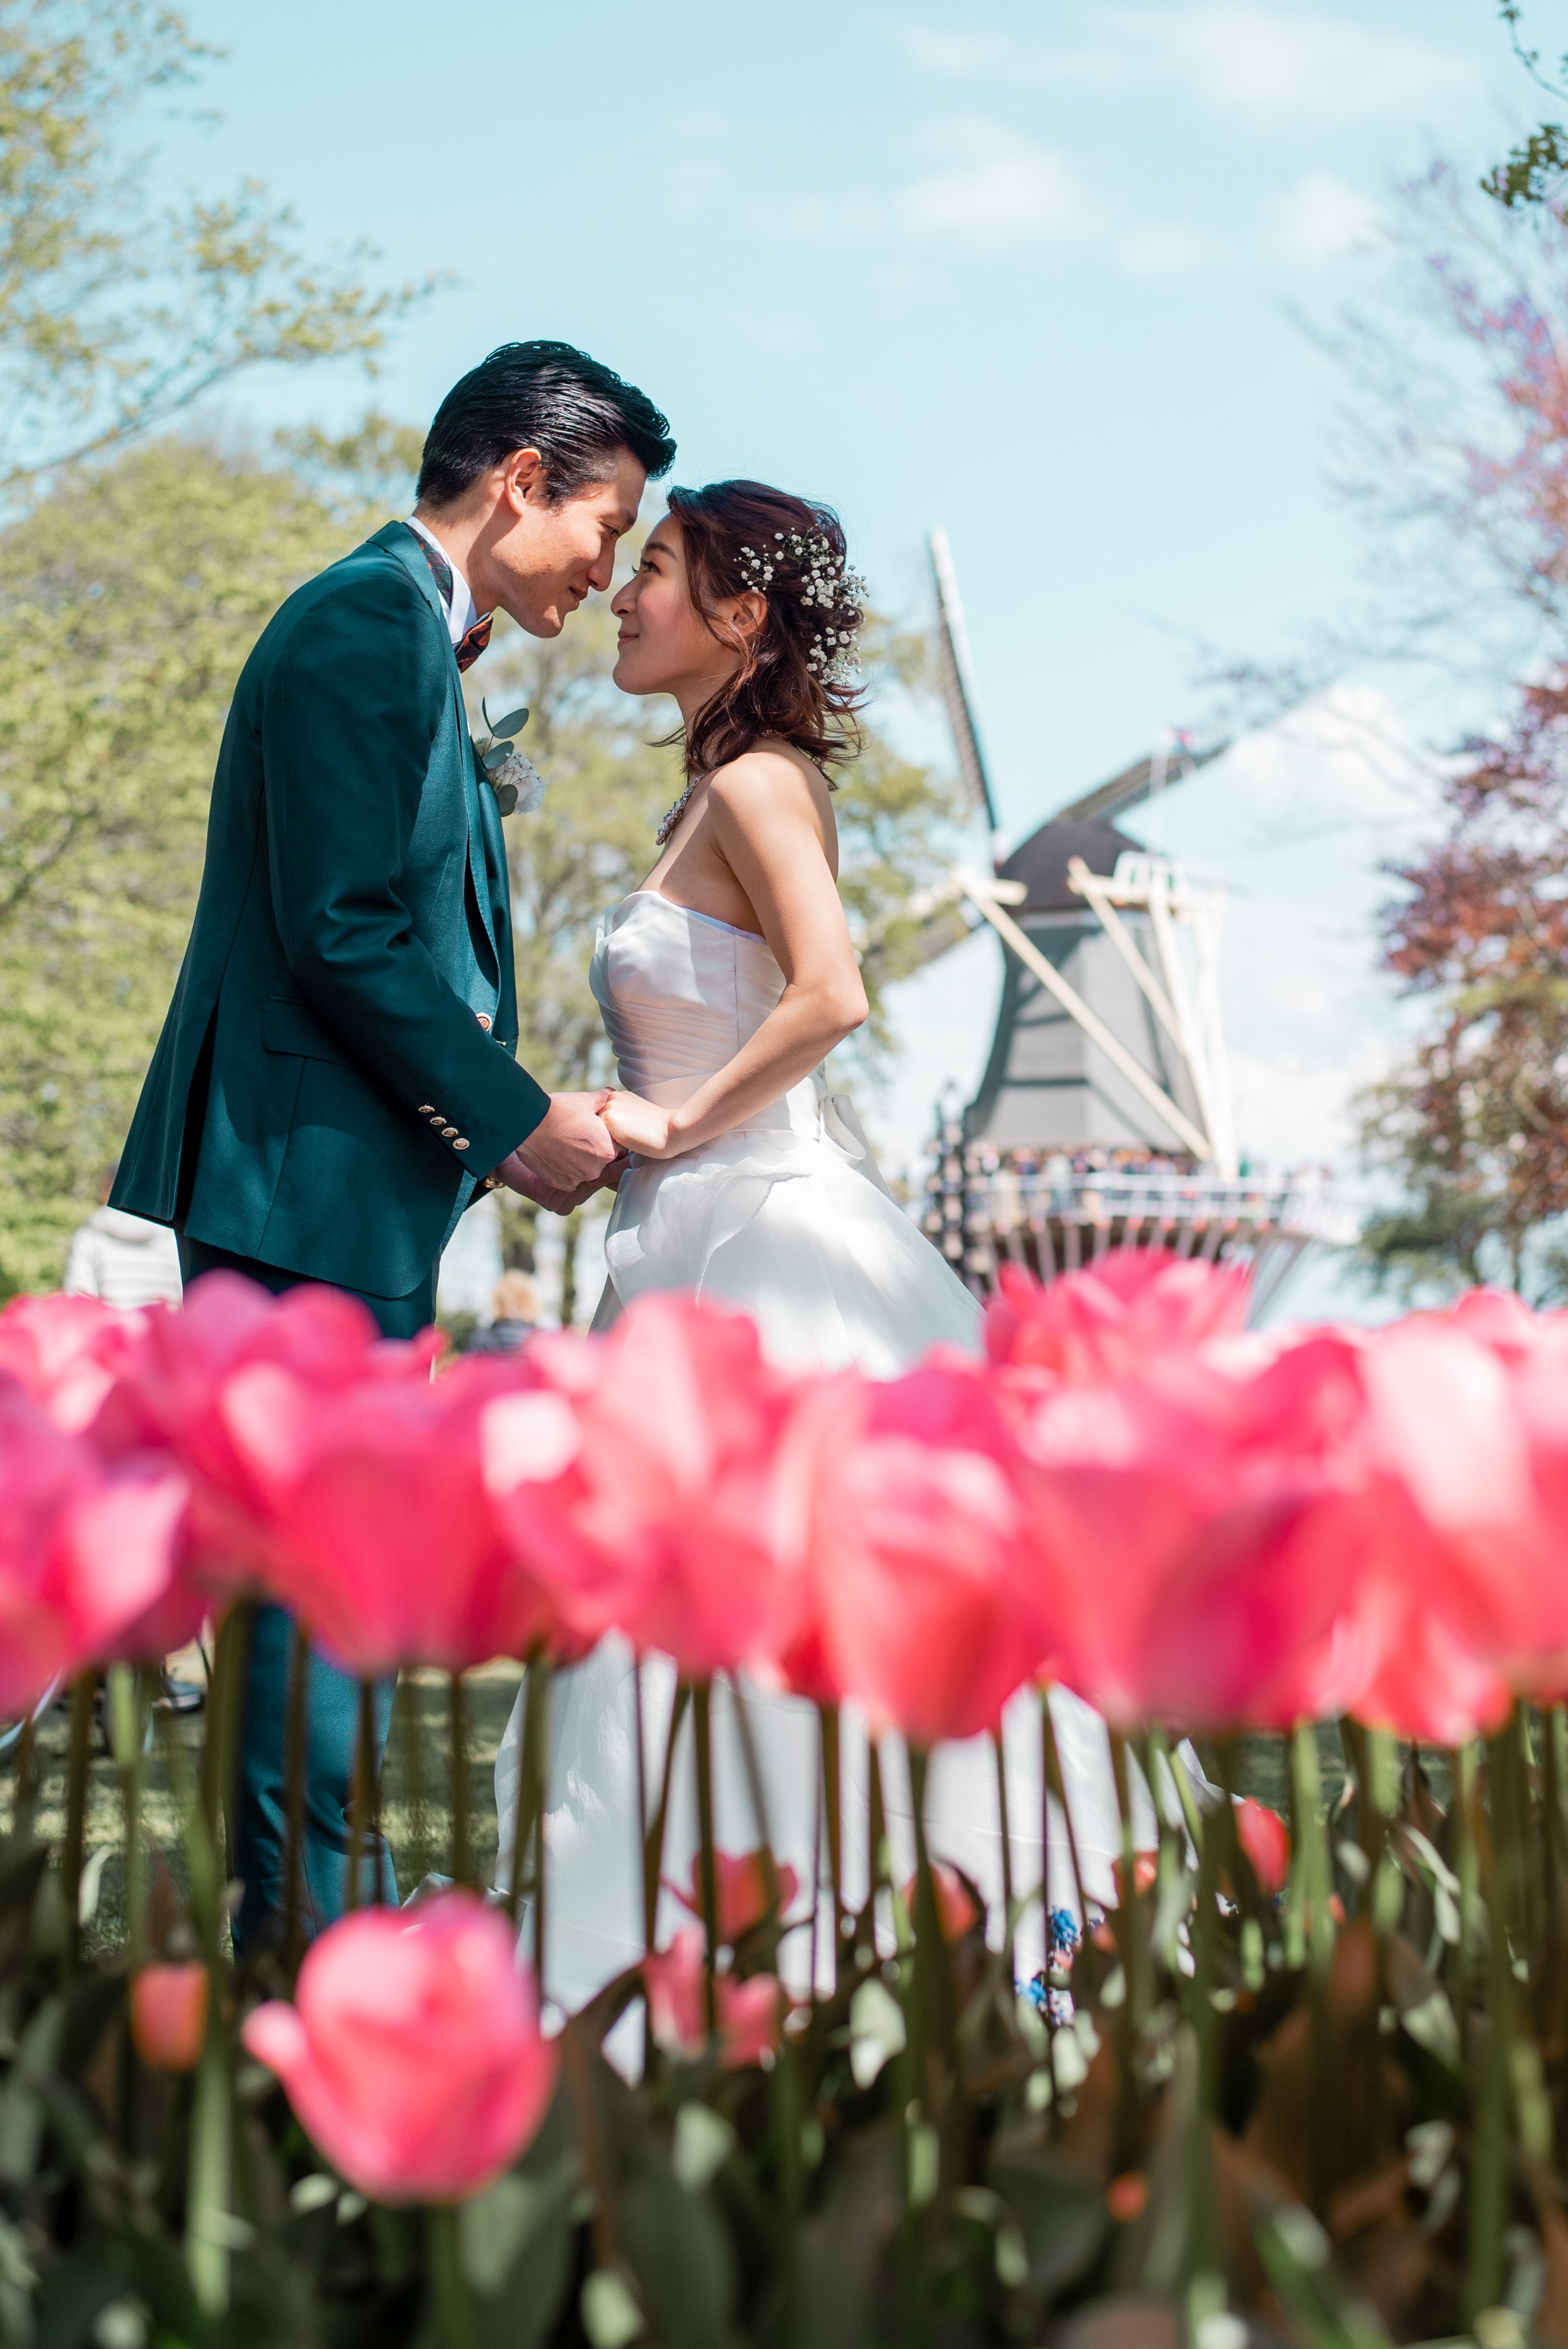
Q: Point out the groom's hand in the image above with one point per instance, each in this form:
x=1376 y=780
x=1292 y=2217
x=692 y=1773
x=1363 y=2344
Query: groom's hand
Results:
x=572 y=1144
x=519 y=1178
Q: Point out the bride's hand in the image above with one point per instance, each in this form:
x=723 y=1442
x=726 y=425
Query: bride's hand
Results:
x=638 y=1124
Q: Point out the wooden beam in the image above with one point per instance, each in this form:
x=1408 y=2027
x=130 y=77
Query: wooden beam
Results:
x=978 y=893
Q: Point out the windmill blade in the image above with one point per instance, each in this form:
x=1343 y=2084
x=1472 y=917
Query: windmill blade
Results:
x=1136 y=783
x=957 y=683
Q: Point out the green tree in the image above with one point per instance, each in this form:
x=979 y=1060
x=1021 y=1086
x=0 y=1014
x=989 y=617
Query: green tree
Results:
x=131 y=596
x=116 y=315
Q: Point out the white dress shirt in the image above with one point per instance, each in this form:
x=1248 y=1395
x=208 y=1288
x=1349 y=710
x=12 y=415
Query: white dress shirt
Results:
x=462 y=611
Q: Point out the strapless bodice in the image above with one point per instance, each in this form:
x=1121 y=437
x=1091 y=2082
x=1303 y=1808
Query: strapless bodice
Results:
x=681 y=993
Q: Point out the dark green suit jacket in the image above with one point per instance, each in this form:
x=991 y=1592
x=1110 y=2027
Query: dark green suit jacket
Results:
x=337 y=1069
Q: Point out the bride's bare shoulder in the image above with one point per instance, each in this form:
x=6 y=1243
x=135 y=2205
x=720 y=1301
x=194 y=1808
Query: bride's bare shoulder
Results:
x=767 y=779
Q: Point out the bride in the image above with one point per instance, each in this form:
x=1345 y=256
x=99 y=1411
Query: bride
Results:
x=724 y=980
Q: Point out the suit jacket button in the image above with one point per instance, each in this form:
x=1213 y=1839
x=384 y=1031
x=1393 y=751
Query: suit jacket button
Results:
x=425 y=1108
x=461 y=1142
x=448 y=1133
x=438 y=1119
x=483 y=1017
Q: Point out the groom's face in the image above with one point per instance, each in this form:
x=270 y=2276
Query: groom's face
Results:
x=551 y=556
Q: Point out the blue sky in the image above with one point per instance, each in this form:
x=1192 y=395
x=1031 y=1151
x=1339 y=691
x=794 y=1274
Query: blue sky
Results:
x=1026 y=270
x=1036 y=272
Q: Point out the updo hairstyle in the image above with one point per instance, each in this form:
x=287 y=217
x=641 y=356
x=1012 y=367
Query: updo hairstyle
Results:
x=799 y=680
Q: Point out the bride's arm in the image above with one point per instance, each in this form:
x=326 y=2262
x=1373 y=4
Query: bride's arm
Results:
x=768 y=822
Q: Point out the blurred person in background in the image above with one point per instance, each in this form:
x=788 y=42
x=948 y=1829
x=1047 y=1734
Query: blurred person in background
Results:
x=515 y=1316
x=122 y=1258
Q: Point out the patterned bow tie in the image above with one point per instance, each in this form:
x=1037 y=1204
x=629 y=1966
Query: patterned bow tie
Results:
x=471 y=643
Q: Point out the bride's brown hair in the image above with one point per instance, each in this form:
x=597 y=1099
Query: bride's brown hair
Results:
x=796 y=680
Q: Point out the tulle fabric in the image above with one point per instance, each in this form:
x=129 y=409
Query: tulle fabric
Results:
x=789 y=1217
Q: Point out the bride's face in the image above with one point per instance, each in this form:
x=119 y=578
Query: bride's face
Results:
x=666 y=646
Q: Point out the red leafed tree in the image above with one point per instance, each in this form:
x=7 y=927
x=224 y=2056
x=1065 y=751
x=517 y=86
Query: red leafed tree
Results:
x=1474 y=1125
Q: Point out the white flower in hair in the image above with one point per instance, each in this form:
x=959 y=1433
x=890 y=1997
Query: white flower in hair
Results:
x=824 y=581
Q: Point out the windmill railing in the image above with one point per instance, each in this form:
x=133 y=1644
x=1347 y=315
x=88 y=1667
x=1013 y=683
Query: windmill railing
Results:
x=984 y=1208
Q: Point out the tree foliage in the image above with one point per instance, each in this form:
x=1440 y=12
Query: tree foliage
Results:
x=1474 y=1125
x=1535 y=171
x=116 y=315
x=130 y=598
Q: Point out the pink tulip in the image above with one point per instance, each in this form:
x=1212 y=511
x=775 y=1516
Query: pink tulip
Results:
x=412 y=2054
x=1265 y=1837
x=741 y=1883
x=85 y=1550
x=175 y=1397
x=751 y=2012
x=912 y=1510
x=169 y=2015
x=663 y=1523
x=1108 y=1319
x=381 y=1533
x=69 y=1351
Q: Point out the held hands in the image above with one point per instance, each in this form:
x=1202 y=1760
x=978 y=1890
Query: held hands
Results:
x=569 y=1156
x=640 y=1125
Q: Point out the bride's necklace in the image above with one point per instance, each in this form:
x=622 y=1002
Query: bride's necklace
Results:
x=674 y=813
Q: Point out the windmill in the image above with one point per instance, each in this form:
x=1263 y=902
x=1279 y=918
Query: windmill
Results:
x=1103 y=1118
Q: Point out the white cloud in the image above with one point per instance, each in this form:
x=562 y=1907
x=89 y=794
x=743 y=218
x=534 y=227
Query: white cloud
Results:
x=1269 y=65
x=1266 y=66
x=1321 y=219
x=998 y=189
x=987 y=188
x=1166 y=249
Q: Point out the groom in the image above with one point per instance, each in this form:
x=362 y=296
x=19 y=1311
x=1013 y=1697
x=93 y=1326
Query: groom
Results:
x=337 y=1073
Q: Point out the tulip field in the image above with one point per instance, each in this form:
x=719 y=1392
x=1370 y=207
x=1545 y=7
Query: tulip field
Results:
x=1304 y=2079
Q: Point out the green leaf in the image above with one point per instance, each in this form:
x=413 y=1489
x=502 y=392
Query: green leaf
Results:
x=1062 y=2214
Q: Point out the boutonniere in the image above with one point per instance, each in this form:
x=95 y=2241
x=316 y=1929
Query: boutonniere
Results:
x=515 y=780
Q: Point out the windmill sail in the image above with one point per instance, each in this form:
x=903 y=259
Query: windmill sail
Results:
x=957 y=684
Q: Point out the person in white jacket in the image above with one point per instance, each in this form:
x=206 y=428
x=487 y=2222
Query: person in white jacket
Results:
x=122 y=1258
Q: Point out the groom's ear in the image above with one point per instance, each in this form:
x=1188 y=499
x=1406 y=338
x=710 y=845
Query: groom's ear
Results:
x=522 y=477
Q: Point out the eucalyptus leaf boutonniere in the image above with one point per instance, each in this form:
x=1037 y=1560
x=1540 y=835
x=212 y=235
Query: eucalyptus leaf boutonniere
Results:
x=515 y=780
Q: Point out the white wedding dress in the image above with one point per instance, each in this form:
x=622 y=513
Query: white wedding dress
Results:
x=787 y=1218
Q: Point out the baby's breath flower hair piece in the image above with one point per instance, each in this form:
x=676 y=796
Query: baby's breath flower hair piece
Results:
x=806 y=563
x=797 y=680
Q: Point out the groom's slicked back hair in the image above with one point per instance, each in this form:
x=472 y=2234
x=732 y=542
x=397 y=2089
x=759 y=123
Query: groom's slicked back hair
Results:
x=543 y=395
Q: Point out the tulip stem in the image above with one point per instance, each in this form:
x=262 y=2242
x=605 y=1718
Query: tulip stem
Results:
x=539 y=1717
x=361 y=1827
x=876 y=1838
x=758 y=1792
x=530 y=1792
x=834 y=1813
x=1056 y=1784
x=654 y=1846
x=210 y=2179
x=224 y=1704
x=124 y=1722
x=702 y=1726
x=642 y=1798
x=76 y=1773
x=458 y=1752
x=1130 y=1942
x=932 y=1967
x=294 y=1750
x=449 y=2290
x=1306 y=1783
x=1004 y=1828
x=1489 y=2155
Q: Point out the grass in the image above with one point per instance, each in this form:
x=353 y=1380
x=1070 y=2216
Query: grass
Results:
x=416 y=1785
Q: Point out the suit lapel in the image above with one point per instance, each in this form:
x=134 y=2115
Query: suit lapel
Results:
x=400 y=540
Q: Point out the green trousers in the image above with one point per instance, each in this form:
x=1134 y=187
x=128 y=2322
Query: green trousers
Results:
x=259 y=1817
